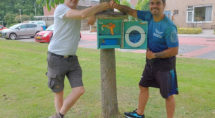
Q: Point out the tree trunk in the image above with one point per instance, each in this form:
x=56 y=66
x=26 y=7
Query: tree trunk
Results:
x=108 y=83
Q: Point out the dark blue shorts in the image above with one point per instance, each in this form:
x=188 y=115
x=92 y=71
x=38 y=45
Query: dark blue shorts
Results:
x=160 y=76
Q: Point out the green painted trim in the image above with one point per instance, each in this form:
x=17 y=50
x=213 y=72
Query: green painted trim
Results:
x=109 y=36
x=109 y=46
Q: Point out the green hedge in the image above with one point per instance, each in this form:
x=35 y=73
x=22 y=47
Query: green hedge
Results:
x=189 y=30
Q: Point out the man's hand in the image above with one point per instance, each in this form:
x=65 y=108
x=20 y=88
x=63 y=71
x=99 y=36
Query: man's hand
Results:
x=91 y=20
x=123 y=8
x=150 y=54
x=113 y=4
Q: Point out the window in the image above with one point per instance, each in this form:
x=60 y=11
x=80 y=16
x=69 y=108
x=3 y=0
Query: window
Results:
x=190 y=14
x=23 y=26
x=203 y=13
x=32 y=25
x=199 y=13
x=175 y=12
x=190 y=8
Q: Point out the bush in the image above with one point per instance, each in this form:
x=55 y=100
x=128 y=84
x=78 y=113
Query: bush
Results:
x=23 y=17
x=10 y=19
x=189 y=30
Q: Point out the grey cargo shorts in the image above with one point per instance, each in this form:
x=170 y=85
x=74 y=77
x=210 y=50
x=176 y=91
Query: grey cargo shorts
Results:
x=61 y=66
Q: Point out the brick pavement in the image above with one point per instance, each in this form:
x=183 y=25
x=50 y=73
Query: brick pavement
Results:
x=190 y=46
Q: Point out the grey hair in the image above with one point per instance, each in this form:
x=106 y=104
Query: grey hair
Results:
x=164 y=1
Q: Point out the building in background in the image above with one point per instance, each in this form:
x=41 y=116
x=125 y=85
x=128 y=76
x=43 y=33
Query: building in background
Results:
x=192 y=13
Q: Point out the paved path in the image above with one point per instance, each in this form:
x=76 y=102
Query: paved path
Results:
x=190 y=46
x=197 y=47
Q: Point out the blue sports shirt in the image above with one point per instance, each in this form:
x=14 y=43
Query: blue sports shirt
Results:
x=161 y=35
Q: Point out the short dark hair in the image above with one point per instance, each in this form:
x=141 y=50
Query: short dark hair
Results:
x=164 y=1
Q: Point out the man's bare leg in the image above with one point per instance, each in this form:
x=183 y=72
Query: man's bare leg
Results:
x=143 y=98
x=71 y=99
x=170 y=106
x=58 y=101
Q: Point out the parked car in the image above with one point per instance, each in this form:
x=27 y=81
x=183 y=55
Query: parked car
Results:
x=2 y=27
x=45 y=36
x=21 y=30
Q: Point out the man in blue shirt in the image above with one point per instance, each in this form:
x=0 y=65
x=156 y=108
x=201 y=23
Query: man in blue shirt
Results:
x=160 y=68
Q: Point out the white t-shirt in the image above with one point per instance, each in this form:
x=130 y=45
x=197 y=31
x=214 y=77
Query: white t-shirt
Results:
x=66 y=33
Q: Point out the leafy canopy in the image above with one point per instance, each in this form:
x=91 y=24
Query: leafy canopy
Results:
x=141 y=5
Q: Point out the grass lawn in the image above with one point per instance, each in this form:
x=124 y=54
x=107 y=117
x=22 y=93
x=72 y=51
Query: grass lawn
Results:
x=24 y=92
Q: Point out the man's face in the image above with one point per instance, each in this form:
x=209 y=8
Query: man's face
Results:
x=156 y=7
x=73 y=3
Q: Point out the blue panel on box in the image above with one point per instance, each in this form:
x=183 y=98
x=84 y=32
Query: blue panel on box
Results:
x=109 y=42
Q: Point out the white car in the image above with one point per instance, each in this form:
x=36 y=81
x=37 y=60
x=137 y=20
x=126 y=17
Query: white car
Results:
x=21 y=30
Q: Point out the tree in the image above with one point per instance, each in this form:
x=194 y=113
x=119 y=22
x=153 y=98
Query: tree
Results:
x=24 y=18
x=142 y=5
x=27 y=7
x=125 y=2
x=10 y=19
x=49 y=3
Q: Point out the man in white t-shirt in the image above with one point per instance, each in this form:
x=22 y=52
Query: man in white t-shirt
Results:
x=62 y=59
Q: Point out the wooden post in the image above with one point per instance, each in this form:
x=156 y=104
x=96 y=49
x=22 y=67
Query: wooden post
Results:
x=108 y=73
x=108 y=83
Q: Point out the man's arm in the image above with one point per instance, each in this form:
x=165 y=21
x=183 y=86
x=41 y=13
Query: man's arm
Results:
x=128 y=10
x=124 y=9
x=82 y=14
x=170 y=52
